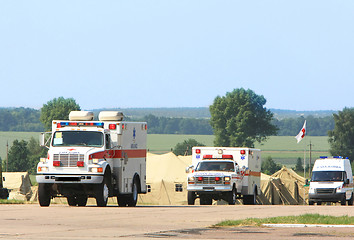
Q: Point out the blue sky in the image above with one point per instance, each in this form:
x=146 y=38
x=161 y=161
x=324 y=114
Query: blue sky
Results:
x=298 y=54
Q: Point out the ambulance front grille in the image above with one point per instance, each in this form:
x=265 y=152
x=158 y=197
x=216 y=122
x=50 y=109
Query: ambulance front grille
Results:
x=68 y=160
x=210 y=180
x=326 y=190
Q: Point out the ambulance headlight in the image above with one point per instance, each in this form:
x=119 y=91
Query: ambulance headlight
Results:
x=96 y=169
x=311 y=190
x=227 y=180
x=95 y=160
x=191 y=180
x=42 y=169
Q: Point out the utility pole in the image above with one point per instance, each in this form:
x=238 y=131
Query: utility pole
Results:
x=310 y=160
x=7 y=154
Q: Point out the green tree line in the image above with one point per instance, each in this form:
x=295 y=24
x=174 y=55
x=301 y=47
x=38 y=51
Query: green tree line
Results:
x=27 y=120
x=20 y=120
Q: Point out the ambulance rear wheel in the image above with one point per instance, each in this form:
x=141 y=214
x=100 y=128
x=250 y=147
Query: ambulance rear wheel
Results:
x=191 y=198
x=44 y=194
x=249 y=199
x=122 y=200
x=133 y=197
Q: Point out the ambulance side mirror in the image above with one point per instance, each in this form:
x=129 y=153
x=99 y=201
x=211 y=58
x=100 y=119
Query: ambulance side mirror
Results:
x=42 y=139
x=188 y=168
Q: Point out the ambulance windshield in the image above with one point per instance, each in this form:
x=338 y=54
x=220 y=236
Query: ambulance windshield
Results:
x=328 y=176
x=215 y=166
x=77 y=138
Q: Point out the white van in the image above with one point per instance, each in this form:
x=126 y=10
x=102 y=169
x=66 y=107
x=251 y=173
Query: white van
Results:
x=331 y=181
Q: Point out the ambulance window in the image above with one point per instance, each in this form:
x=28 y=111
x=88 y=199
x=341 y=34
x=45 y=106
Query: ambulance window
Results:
x=77 y=138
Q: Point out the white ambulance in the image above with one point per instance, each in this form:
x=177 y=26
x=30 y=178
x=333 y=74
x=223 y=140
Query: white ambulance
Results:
x=99 y=159
x=331 y=181
x=224 y=173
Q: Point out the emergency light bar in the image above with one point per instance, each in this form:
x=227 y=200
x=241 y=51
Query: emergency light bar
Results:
x=224 y=156
x=79 y=124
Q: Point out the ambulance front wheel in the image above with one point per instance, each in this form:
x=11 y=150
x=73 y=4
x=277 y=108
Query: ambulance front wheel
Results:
x=102 y=193
x=191 y=198
x=44 y=194
x=351 y=200
x=232 y=197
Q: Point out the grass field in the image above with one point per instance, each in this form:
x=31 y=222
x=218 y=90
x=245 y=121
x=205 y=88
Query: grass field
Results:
x=283 y=149
x=302 y=219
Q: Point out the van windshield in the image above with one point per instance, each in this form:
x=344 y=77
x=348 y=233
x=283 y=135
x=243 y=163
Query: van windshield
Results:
x=216 y=166
x=327 y=176
x=77 y=138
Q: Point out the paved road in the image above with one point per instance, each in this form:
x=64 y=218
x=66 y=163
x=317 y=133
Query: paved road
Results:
x=30 y=221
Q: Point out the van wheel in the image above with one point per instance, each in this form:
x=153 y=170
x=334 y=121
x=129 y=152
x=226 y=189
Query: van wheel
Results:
x=191 y=198
x=102 y=193
x=311 y=202
x=44 y=194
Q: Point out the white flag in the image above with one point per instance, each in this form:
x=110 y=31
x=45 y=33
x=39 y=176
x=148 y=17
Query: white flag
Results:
x=302 y=133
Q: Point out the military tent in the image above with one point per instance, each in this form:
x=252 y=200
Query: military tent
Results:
x=19 y=185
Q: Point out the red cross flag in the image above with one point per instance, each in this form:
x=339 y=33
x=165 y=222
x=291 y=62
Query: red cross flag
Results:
x=301 y=134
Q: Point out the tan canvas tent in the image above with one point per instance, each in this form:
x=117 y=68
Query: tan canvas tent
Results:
x=283 y=187
x=19 y=185
x=166 y=179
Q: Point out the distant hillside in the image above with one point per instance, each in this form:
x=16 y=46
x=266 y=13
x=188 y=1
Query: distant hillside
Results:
x=281 y=114
x=203 y=112
x=178 y=120
x=200 y=112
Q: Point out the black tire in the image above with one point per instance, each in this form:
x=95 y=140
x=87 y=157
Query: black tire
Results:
x=81 y=200
x=205 y=200
x=71 y=200
x=44 y=196
x=250 y=199
x=343 y=202
x=232 y=197
x=351 y=200
x=102 y=193
x=191 y=198
x=133 y=197
x=311 y=202
x=122 y=200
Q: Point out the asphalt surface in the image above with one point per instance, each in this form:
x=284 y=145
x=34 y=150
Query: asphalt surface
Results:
x=30 y=221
